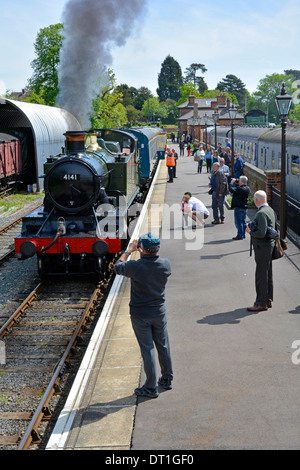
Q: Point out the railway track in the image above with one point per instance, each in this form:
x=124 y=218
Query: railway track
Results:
x=10 y=230
x=44 y=340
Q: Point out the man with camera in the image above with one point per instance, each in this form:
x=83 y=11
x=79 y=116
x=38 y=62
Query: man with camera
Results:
x=149 y=276
x=239 y=203
x=263 y=246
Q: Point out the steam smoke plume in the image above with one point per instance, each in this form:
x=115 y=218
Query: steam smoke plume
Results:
x=91 y=29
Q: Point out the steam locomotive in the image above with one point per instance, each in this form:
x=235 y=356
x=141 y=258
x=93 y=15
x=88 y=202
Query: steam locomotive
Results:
x=92 y=193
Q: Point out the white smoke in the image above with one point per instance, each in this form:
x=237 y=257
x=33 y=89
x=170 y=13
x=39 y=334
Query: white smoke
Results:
x=91 y=29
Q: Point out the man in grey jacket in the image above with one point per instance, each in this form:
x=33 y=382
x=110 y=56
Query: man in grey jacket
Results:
x=218 y=184
x=263 y=249
x=149 y=276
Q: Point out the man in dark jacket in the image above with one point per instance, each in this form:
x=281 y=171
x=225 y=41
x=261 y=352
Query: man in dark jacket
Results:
x=239 y=203
x=238 y=166
x=218 y=184
x=149 y=276
x=263 y=249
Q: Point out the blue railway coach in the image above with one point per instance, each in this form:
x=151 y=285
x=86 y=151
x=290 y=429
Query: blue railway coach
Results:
x=152 y=143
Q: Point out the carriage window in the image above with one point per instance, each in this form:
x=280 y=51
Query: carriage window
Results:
x=295 y=165
x=273 y=159
x=279 y=160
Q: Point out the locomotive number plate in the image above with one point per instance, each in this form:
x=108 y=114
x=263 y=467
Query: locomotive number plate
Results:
x=70 y=177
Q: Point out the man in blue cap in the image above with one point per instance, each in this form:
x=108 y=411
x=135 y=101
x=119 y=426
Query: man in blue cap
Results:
x=149 y=276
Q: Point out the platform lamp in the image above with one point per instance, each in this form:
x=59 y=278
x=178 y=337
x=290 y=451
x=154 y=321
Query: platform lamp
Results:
x=199 y=124
x=205 y=117
x=215 y=117
x=283 y=104
x=232 y=115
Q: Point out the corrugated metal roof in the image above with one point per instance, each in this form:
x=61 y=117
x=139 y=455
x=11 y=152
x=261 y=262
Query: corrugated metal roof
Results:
x=48 y=124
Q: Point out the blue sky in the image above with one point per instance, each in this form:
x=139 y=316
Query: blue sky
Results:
x=250 y=39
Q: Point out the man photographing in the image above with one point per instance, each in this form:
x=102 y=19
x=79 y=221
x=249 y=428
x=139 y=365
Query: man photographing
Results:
x=149 y=277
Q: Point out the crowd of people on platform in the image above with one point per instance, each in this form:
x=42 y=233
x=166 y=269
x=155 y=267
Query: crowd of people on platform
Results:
x=150 y=273
x=224 y=180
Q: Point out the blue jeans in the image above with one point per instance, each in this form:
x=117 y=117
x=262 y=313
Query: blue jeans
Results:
x=240 y=221
x=150 y=331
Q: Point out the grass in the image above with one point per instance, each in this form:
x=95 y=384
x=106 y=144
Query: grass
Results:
x=13 y=202
x=250 y=201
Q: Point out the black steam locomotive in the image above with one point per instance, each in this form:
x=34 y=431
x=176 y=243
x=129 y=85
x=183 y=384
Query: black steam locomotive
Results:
x=92 y=192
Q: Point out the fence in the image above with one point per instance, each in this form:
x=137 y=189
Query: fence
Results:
x=292 y=214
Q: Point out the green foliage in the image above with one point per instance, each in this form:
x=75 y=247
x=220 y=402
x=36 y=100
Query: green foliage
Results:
x=169 y=80
x=234 y=86
x=35 y=97
x=295 y=114
x=191 y=76
x=215 y=93
x=44 y=81
x=268 y=88
x=185 y=90
x=109 y=111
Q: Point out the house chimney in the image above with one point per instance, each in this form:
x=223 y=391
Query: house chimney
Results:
x=195 y=110
x=221 y=100
x=191 y=99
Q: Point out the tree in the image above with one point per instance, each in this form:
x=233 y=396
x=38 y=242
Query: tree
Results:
x=268 y=88
x=109 y=111
x=233 y=85
x=191 y=76
x=169 y=80
x=143 y=93
x=295 y=114
x=128 y=93
x=44 y=81
x=170 y=115
x=295 y=73
x=215 y=93
x=155 y=109
x=185 y=90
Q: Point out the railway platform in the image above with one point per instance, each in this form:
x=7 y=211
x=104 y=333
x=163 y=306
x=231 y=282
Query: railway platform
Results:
x=236 y=373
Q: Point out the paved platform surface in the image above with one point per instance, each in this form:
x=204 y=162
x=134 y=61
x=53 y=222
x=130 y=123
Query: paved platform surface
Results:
x=235 y=385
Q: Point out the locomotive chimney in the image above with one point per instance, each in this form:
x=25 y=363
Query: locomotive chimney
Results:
x=75 y=141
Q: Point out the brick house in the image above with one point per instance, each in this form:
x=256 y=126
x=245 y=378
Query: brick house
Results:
x=191 y=115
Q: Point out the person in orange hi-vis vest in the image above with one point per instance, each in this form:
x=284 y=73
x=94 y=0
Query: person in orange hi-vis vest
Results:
x=170 y=164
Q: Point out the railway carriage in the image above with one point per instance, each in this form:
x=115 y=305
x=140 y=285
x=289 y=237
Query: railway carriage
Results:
x=261 y=146
x=10 y=161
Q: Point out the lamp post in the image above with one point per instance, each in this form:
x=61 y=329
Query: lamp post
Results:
x=205 y=117
x=199 y=124
x=215 y=118
x=232 y=114
x=283 y=104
